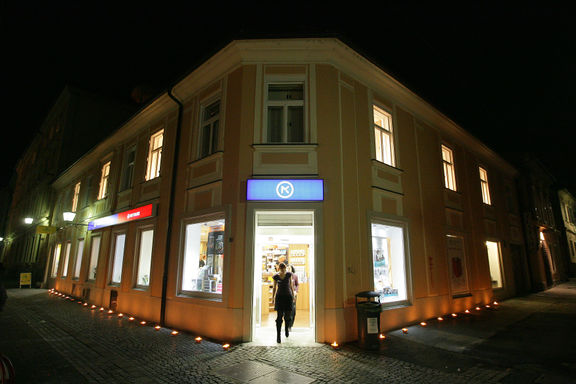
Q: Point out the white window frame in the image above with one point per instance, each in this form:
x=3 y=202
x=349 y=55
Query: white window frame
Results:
x=484 y=186
x=448 y=168
x=56 y=260
x=384 y=150
x=154 y=160
x=93 y=261
x=104 y=178
x=495 y=269
x=220 y=215
x=67 y=249
x=128 y=168
x=376 y=219
x=214 y=139
x=286 y=80
x=137 y=284
x=78 y=261
x=75 y=197
x=113 y=258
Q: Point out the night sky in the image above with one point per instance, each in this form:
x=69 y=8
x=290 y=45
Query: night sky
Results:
x=506 y=74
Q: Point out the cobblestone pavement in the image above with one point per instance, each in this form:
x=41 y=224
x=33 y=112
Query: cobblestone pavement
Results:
x=53 y=340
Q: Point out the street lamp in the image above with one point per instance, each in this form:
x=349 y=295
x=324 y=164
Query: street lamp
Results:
x=28 y=220
x=69 y=216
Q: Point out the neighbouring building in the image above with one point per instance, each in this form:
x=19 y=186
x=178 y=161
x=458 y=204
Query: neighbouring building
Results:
x=567 y=208
x=291 y=149
x=77 y=120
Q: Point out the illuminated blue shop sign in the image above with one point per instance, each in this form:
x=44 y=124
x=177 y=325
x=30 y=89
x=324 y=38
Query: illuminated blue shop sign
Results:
x=285 y=190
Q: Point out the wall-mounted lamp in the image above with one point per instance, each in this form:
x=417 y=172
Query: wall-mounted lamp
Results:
x=28 y=220
x=69 y=216
x=542 y=238
x=1 y=238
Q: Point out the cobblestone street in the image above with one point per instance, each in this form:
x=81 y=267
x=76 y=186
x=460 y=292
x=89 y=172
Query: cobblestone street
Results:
x=53 y=340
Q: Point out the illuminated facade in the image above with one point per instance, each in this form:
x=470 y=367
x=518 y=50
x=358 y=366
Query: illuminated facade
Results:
x=298 y=150
x=568 y=209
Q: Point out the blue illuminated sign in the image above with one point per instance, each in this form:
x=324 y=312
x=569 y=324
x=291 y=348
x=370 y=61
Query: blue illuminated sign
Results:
x=285 y=190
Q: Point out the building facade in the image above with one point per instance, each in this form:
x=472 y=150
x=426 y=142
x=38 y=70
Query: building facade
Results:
x=567 y=209
x=77 y=120
x=296 y=150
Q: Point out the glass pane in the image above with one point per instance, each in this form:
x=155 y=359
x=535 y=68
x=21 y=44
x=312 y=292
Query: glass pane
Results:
x=78 y=265
x=205 y=141
x=274 y=129
x=389 y=262
x=203 y=257
x=56 y=260
x=145 y=258
x=211 y=111
x=295 y=124
x=494 y=263
x=94 y=258
x=378 y=144
x=283 y=92
x=215 y=136
x=118 y=259
x=66 y=259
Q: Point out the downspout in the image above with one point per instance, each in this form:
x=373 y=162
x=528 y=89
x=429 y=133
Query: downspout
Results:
x=170 y=208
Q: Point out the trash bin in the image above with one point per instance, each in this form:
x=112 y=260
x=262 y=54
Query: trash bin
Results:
x=368 y=312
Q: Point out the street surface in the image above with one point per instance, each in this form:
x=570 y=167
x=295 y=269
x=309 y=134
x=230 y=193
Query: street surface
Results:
x=524 y=340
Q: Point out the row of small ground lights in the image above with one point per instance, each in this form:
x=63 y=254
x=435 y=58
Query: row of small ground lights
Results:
x=157 y=327
x=382 y=337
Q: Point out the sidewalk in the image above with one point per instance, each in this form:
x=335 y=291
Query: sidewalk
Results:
x=524 y=340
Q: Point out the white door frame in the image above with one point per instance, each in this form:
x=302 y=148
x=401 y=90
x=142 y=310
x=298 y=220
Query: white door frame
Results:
x=251 y=208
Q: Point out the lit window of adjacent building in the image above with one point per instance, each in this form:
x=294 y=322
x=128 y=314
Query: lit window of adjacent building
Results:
x=75 y=197
x=209 y=128
x=56 y=260
x=485 y=186
x=78 y=265
x=494 y=262
x=389 y=262
x=104 y=177
x=144 y=258
x=448 y=167
x=285 y=113
x=67 y=248
x=383 y=136
x=203 y=259
x=94 y=252
x=117 y=258
x=154 y=155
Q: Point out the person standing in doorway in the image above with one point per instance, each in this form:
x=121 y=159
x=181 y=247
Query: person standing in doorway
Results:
x=283 y=296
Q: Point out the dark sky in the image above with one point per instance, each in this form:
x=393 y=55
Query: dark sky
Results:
x=507 y=74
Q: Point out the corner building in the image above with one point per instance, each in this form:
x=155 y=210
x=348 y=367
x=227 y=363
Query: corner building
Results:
x=299 y=150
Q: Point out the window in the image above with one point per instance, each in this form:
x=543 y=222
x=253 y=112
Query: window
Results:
x=78 y=266
x=484 y=185
x=494 y=263
x=154 y=155
x=144 y=258
x=203 y=259
x=117 y=258
x=389 y=262
x=75 y=197
x=210 y=121
x=448 y=166
x=457 y=265
x=383 y=137
x=103 y=191
x=128 y=170
x=56 y=260
x=93 y=266
x=285 y=113
x=66 y=258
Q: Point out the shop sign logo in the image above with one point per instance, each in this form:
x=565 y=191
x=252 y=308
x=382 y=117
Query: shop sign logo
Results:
x=285 y=189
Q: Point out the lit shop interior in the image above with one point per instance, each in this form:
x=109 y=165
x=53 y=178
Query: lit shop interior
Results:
x=283 y=236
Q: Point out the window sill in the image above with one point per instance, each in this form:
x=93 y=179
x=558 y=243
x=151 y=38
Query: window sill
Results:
x=396 y=305
x=387 y=167
x=205 y=296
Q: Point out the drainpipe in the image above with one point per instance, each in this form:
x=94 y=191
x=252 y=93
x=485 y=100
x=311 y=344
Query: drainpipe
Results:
x=170 y=208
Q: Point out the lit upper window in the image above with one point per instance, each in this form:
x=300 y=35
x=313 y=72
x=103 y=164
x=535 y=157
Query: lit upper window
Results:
x=75 y=197
x=103 y=190
x=285 y=113
x=383 y=139
x=484 y=186
x=154 y=155
x=448 y=166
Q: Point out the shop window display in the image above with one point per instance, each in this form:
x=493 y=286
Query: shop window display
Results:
x=388 y=261
x=204 y=257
